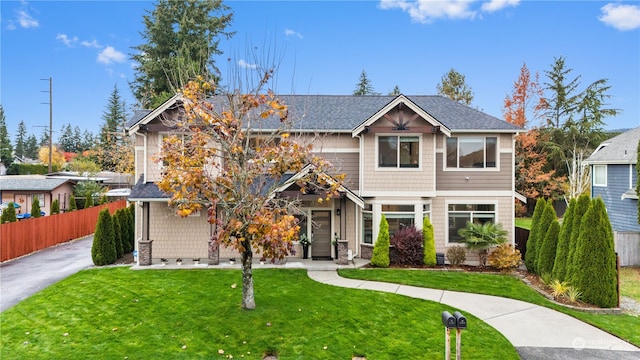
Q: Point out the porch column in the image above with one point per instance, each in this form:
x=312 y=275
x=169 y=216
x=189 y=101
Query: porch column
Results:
x=343 y=252
x=214 y=253
x=144 y=252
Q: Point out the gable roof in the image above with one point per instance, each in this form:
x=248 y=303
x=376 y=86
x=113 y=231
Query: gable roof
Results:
x=621 y=149
x=29 y=183
x=345 y=113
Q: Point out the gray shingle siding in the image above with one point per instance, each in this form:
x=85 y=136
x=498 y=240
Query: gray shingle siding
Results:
x=622 y=212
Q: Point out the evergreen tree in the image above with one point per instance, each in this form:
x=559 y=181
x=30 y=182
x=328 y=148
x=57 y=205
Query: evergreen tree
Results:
x=595 y=258
x=534 y=234
x=395 y=91
x=35 y=208
x=21 y=139
x=88 y=200
x=564 y=238
x=103 y=249
x=66 y=141
x=582 y=204
x=638 y=181
x=125 y=224
x=547 y=257
x=132 y=225
x=44 y=138
x=72 y=203
x=181 y=40
x=8 y=214
x=31 y=147
x=453 y=86
x=380 y=256
x=88 y=141
x=547 y=218
x=6 y=149
x=55 y=207
x=364 y=86
x=429 y=244
x=117 y=231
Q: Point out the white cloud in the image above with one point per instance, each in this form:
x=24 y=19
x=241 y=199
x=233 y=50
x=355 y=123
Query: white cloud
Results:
x=26 y=21
x=91 y=44
x=426 y=11
x=621 y=17
x=244 y=64
x=66 y=39
x=289 y=32
x=495 y=5
x=110 y=55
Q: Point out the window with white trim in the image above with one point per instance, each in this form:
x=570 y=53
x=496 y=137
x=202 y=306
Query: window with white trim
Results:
x=367 y=224
x=459 y=214
x=472 y=152
x=599 y=175
x=399 y=216
x=398 y=151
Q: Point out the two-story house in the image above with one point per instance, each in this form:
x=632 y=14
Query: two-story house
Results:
x=405 y=157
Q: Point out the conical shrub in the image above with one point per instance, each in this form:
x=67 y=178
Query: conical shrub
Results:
x=118 y=232
x=534 y=234
x=380 y=256
x=428 y=245
x=547 y=218
x=562 y=250
x=103 y=249
x=35 y=208
x=8 y=214
x=582 y=204
x=548 y=250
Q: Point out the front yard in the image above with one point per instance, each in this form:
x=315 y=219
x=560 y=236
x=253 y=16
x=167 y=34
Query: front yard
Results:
x=116 y=313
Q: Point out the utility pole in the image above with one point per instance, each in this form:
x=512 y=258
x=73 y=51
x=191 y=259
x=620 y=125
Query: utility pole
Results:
x=50 y=121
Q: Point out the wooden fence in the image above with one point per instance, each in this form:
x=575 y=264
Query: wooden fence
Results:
x=30 y=235
x=628 y=247
x=522 y=236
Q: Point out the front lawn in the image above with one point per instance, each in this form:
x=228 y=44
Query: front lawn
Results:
x=524 y=223
x=624 y=326
x=630 y=282
x=116 y=313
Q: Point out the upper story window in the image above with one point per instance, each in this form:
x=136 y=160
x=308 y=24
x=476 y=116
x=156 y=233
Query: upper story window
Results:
x=398 y=151
x=472 y=152
x=599 y=175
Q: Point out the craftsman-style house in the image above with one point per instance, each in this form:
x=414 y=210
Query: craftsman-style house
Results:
x=406 y=157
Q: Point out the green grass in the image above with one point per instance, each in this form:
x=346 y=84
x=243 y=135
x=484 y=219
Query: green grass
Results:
x=524 y=223
x=630 y=282
x=117 y=313
x=623 y=326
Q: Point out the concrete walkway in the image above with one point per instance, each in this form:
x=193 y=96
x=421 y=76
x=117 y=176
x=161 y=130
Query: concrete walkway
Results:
x=536 y=332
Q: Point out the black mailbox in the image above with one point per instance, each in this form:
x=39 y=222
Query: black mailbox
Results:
x=448 y=320
x=461 y=321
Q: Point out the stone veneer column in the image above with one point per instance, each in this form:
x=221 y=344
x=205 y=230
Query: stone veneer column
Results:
x=214 y=253
x=144 y=252
x=343 y=252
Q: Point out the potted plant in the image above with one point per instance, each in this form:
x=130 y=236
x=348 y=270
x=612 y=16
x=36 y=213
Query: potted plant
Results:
x=334 y=242
x=262 y=260
x=179 y=261
x=196 y=261
x=164 y=261
x=305 y=242
x=232 y=261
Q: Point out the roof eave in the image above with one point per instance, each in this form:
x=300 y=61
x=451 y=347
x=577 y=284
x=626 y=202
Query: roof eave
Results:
x=153 y=114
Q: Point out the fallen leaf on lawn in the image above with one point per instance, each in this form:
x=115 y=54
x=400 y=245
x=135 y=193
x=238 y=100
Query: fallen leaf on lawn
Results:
x=324 y=348
x=268 y=324
x=27 y=333
x=184 y=347
x=114 y=329
x=220 y=351
x=65 y=334
x=233 y=286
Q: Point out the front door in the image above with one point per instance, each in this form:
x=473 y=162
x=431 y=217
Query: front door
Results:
x=321 y=232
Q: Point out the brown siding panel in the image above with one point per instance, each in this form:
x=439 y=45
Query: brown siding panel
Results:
x=345 y=163
x=478 y=180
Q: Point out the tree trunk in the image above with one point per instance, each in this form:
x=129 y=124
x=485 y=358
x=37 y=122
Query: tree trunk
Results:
x=248 y=300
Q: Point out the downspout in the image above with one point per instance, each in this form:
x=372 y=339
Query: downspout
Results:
x=358 y=230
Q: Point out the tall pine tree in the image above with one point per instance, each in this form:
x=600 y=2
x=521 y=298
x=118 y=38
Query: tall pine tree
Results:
x=562 y=249
x=6 y=149
x=453 y=86
x=182 y=38
x=534 y=234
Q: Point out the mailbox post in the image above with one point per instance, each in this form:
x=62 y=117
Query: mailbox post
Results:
x=459 y=322
x=449 y=322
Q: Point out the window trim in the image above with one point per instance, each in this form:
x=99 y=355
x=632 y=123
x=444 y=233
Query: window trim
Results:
x=466 y=202
x=397 y=167
x=593 y=177
x=374 y=207
x=484 y=168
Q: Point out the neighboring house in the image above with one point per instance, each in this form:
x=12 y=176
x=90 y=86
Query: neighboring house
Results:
x=614 y=178
x=22 y=189
x=406 y=157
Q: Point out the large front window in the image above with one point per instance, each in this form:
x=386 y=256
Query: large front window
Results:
x=472 y=152
x=399 y=217
x=399 y=151
x=460 y=214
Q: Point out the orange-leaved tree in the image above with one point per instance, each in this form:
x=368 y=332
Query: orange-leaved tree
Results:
x=221 y=159
x=521 y=108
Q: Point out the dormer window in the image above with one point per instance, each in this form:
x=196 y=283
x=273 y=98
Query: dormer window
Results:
x=398 y=151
